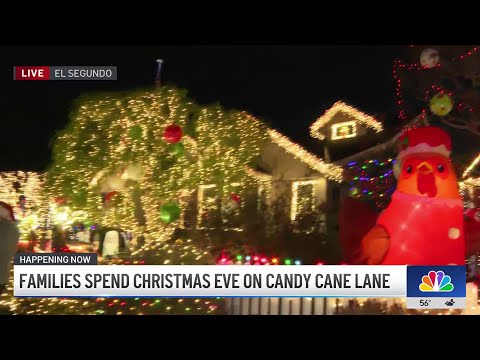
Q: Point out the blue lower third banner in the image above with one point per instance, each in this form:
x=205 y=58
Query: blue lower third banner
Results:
x=436 y=287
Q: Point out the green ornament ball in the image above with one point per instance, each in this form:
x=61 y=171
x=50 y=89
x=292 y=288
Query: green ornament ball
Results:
x=178 y=149
x=135 y=132
x=169 y=212
x=441 y=104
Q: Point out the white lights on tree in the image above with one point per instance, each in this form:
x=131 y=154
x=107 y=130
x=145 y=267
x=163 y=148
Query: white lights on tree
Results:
x=115 y=183
x=135 y=172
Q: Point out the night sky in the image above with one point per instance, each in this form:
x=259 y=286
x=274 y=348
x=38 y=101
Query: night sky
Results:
x=287 y=86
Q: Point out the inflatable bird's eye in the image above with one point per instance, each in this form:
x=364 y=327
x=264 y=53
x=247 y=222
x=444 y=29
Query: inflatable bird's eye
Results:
x=440 y=168
x=409 y=169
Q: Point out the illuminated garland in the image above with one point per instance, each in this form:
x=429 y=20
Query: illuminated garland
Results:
x=330 y=171
x=340 y=106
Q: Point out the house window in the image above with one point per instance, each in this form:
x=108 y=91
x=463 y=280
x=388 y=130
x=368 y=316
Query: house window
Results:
x=302 y=211
x=208 y=209
x=231 y=210
x=344 y=130
x=262 y=198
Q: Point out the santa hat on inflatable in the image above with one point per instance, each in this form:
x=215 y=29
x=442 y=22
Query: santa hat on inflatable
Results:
x=426 y=139
x=6 y=212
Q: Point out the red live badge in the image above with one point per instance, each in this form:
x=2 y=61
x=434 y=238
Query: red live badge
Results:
x=31 y=72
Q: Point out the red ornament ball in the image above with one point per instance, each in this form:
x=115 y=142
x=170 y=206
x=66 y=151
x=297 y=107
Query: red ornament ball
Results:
x=235 y=197
x=172 y=134
x=60 y=200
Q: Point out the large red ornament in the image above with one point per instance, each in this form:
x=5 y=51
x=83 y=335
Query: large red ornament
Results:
x=235 y=197
x=110 y=195
x=172 y=134
x=60 y=200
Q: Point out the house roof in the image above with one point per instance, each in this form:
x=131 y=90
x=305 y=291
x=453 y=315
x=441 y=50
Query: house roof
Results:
x=355 y=114
x=258 y=175
x=331 y=171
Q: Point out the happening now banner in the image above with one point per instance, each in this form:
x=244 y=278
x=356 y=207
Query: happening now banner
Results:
x=78 y=275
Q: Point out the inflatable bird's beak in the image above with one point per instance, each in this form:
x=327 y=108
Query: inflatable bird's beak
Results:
x=425 y=168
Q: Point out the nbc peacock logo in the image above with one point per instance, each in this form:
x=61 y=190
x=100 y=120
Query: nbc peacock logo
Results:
x=436 y=281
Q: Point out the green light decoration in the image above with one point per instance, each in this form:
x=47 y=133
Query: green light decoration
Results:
x=239 y=257
x=177 y=149
x=135 y=132
x=169 y=212
x=288 y=262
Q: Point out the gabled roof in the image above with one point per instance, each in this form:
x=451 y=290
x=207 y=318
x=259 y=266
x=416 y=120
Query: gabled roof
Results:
x=340 y=106
x=331 y=171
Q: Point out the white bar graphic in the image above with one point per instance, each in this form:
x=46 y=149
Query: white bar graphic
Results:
x=210 y=281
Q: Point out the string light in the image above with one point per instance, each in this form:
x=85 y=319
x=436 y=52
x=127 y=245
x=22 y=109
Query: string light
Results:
x=400 y=65
x=258 y=260
x=330 y=171
x=376 y=184
x=471 y=166
x=339 y=106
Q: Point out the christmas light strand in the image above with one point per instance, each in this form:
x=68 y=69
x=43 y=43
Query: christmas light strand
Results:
x=399 y=65
x=471 y=166
x=331 y=171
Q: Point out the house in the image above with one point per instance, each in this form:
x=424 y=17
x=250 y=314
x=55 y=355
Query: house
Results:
x=305 y=179
x=293 y=191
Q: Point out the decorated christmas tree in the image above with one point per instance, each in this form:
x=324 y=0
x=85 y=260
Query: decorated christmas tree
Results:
x=134 y=161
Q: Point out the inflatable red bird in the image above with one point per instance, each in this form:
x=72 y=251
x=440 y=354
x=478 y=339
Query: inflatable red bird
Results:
x=424 y=223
